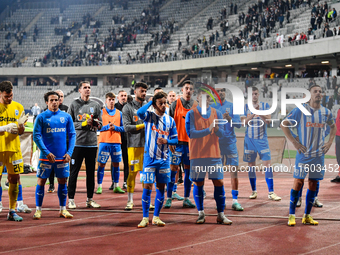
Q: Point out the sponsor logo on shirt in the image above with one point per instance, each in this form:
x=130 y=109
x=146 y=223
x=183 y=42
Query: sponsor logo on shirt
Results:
x=161 y=132
x=316 y=125
x=55 y=130
x=8 y=119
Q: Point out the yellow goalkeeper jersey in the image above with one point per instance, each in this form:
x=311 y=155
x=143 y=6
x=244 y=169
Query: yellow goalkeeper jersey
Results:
x=10 y=114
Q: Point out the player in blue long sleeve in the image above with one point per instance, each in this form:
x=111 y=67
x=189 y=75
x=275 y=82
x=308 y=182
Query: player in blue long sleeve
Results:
x=160 y=132
x=50 y=133
x=110 y=143
x=228 y=146
x=205 y=156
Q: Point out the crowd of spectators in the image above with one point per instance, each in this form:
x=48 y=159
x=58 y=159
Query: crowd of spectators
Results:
x=6 y=55
x=59 y=52
x=41 y=82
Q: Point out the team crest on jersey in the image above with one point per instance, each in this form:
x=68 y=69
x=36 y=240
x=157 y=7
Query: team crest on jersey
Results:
x=227 y=109
x=16 y=112
x=91 y=109
x=62 y=120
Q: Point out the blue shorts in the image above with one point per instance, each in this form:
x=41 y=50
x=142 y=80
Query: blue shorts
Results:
x=155 y=170
x=254 y=146
x=61 y=169
x=199 y=168
x=229 y=154
x=106 y=150
x=313 y=166
x=181 y=155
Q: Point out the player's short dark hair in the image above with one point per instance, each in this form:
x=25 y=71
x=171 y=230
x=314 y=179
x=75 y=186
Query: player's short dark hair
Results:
x=50 y=93
x=129 y=98
x=6 y=86
x=157 y=89
x=203 y=90
x=187 y=82
x=83 y=82
x=159 y=95
x=121 y=91
x=314 y=85
x=141 y=85
x=254 y=89
x=110 y=95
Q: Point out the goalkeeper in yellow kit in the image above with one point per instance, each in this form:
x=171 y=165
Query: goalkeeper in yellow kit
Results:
x=12 y=120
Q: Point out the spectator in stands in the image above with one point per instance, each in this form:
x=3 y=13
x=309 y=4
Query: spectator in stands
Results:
x=330 y=103
x=35 y=111
x=313 y=20
x=336 y=93
x=324 y=100
x=328 y=32
x=334 y=82
x=319 y=21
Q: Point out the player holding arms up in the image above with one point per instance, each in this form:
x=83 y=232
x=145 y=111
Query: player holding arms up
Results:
x=160 y=131
x=256 y=142
x=311 y=149
x=110 y=143
x=205 y=154
x=12 y=120
x=51 y=129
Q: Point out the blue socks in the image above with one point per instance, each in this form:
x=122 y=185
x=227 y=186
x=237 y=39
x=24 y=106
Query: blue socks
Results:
x=175 y=188
x=219 y=196
x=20 y=193
x=158 y=202
x=300 y=192
x=39 y=195
x=100 y=175
x=62 y=194
x=309 y=201
x=187 y=183
x=170 y=185
x=198 y=197
x=146 y=197
x=115 y=174
x=269 y=179
x=234 y=193
x=252 y=178
x=0 y=193
x=317 y=188
x=293 y=200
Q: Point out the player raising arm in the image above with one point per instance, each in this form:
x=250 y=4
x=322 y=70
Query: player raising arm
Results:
x=160 y=131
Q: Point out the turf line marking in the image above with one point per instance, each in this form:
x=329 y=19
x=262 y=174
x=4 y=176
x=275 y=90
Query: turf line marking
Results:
x=54 y=223
x=326 y=247
x=83 y=239
x=214 y=240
